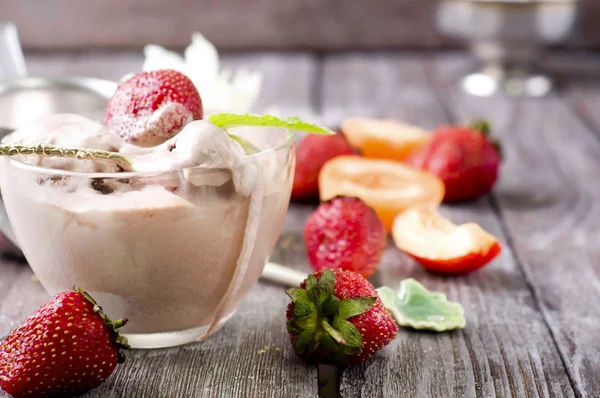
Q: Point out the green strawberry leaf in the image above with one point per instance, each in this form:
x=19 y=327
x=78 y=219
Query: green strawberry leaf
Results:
x=330 y=305
x=334 y=350
x=318 y=296
x=348 y=331
x=327 y=281
x=416 y=307
x=332 y=332
x=302 y=341
x=311 y=282
x=302 y=303
x=351 y=307
x=228 y=120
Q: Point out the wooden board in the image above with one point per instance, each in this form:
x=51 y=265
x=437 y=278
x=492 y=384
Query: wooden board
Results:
x=548 y=204
x=532 y=318
x=506 y=347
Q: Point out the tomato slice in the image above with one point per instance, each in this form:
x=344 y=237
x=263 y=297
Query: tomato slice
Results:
x=442 y=246
x=384 y=138
x=387 y=186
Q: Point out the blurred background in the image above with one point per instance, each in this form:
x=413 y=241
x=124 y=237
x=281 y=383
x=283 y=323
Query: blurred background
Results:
x=320 y=25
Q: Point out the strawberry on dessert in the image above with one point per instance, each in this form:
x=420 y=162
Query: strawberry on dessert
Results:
x=384 y=138
x=465 y=158
x=67 y=347
x=151 y=107
x=345 y=233
x=389 y=187
x=440 y=245
x=311 y=154
x=337 y=317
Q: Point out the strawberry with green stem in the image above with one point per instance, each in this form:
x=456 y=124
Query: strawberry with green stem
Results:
x=337 y=317
x=67 y=347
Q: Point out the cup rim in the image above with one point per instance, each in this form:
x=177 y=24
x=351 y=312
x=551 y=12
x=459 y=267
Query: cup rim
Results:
x=287 y=143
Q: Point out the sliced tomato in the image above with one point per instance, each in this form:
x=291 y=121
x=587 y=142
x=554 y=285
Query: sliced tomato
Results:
x=384 y=138
x=442 y=246
x=387 y=186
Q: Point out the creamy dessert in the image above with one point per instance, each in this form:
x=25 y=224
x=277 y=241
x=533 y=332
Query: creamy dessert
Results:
x=173 y=245
x=165 y=218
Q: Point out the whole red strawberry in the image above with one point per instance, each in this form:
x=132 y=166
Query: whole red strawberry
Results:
x=67 y=347
x=311 y=154
x=151 y=107
x=465 y=158
x=337 y=317
x=345 y=233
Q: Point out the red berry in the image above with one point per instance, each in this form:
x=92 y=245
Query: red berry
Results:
x=151 y=107
x=311 y=154
x=67 y=347
x=371 y=320
x=465 y=158
x=345 y=233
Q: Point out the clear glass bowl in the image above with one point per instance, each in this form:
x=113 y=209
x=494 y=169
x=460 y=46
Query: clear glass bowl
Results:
x=174 y=252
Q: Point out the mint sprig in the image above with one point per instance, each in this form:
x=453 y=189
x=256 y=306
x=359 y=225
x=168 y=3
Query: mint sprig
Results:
x=229 y=120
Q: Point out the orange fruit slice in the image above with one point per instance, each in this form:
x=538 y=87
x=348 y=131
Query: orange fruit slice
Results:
x=442 y=246
x=387 y=186
x=384 y=138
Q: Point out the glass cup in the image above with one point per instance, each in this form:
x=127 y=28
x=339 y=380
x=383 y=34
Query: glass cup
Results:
x=174 y=252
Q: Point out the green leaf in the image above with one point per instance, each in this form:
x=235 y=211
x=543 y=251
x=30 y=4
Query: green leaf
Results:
x=302 y=341
x=330 y=305
x=292 y=327
x=318 y=296
x=334 y=350
x=332 y=332
x=351 y=350
x=351 y=307
x=483 y=126
x=416 y=307
x=327 y=281
x=302 y=303
x=304 y=322
x=348 y=331
x=311 y=282
x=248 y=147
x=228 y=120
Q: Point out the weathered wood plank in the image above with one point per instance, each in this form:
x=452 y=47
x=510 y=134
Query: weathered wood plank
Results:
x=506 y=349
x=548 y=200
x=251 y=356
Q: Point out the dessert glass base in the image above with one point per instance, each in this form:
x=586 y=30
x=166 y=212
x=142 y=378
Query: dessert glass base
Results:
x=172 y=339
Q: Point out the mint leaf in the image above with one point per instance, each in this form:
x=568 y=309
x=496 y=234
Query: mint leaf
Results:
x=228 y=120
x=416 y=307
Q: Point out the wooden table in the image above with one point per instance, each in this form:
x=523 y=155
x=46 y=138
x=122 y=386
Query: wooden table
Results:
x=533 y=314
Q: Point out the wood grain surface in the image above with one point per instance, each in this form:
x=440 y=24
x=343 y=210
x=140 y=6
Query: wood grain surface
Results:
x=243 y=24
x=532 y=318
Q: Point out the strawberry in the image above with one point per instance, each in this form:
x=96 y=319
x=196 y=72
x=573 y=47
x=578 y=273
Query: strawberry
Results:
x=345 y=233
x=465 y=158
x=311 y=154
x=151 y=107
x=67 y=347
x=337 y=317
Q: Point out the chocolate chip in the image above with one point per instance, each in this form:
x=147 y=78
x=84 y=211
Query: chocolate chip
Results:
x=99 y=185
